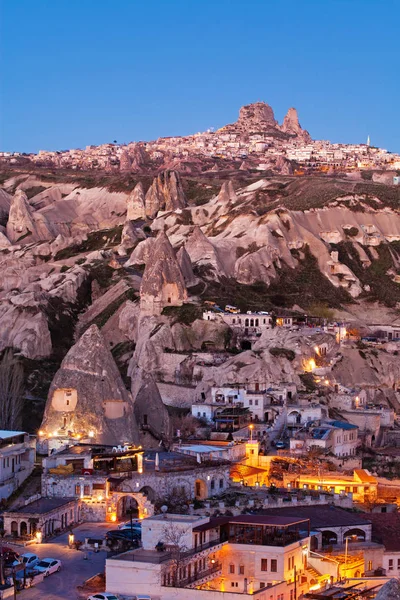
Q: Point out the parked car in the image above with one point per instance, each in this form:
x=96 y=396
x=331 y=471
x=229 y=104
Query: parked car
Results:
x=123 y=534
x=127 y=524
x=141 y=597
x=48 y=566
x=103 y=596
x=29 y=560
x=280 y=445
x=134 y=527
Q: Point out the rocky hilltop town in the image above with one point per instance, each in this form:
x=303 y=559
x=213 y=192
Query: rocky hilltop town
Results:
x=255 y=141
x=199 y=353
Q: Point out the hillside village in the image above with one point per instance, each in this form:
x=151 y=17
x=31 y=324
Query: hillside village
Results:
x=255 y=141
x=204 y=363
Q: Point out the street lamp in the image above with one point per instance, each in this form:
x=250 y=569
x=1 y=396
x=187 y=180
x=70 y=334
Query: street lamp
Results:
x=251 y=427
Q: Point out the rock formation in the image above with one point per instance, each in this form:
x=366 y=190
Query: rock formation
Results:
x=227 y=193
x=186 y=266
x=136 y=203
x=25 y=223
x=87 y=396
x=163 y=283
x=202 y=251
x=292 y=126
x=259 y=118
x=125 y=162
x=165 y=193
x=150 y=413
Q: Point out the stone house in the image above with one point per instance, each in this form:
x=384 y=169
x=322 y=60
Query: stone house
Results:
x=45 y=516
x=17 y=458
x=109 y=483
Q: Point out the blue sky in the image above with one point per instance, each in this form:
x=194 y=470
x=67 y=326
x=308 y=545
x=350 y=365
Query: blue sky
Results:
x=79 y=72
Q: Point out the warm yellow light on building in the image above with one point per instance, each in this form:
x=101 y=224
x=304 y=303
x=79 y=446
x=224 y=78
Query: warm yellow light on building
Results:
x=91 y=434
x=309 y=365
x=38 y=537
x=100 y=498
x=41 y=432
x=55 y=433
x=113 y=517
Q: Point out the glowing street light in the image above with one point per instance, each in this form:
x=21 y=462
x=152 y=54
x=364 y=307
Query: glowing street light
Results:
x=251 y=427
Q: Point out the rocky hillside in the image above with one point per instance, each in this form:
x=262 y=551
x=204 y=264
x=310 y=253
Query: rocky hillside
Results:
x=73 y=250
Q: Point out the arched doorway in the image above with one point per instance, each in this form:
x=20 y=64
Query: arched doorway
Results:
x=245 y=345
x=358 y=535
x=14 y=528
x=294 y=417
x=127 y=507
x=149 y=493
x=23 y=528
x=200 y=489
x=328 y=538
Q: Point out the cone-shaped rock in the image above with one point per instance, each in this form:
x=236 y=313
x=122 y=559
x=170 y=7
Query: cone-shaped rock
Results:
x=87 y=395
x=135 y=203
x=165 y=193
x=24 y=223
x=292 y=126
x=186 y=266
x=163 y=283
x=227 y=192
x=125 y=161
x=202 y=251
x=150 y=412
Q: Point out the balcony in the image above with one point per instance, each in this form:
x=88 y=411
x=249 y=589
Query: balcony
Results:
x=196 y=579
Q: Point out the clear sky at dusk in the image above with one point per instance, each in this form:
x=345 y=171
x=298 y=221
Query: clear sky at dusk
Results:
x=79 y=72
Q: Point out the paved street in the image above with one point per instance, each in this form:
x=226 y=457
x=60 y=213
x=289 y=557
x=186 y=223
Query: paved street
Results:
x=62 y=586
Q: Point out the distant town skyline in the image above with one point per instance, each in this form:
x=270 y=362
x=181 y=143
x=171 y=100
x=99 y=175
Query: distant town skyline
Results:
x=75 y=74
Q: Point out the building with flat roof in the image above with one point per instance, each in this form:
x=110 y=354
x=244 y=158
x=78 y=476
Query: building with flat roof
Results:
x=44 y=516
x=192 y=557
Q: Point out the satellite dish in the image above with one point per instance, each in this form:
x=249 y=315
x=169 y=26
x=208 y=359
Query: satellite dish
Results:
x=164 y=510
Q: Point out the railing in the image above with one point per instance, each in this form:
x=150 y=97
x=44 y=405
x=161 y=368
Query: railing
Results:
x=181 y=583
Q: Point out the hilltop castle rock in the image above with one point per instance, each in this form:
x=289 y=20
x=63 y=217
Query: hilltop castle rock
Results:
x=87 y=395
x=259 y=118
x=163 y=283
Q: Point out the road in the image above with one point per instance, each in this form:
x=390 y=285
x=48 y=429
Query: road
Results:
x=75 y=569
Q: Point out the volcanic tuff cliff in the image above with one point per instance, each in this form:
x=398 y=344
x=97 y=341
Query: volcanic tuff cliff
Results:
x=74 y=256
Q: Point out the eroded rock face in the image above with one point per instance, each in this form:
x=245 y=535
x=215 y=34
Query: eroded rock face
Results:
x=292 y=126
x=202 y=252
x=165 y=193
x=150 y=413
x=24 y=223
x=258 y=115
x=87 y=395
x=163 y=283
x=186 y=266
x=136 y=203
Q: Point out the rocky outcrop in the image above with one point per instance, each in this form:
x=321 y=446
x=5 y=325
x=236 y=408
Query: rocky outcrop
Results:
x=138 y=156
x=292 y=126
x=227 y=193
x=141 y=253
x=125 y=162
x=186 y=266
x=165 y=193
x=163 y=283
x=136 y=203
x=24 y=223
x=87 y=396
x=202 y=252
x=130 y=236
x=257 y=117
x=24 y=327
x=150 y=413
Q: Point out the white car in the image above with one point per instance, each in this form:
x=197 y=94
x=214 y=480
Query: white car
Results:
x=48 y=566
x=103 y=596
x=29 y=559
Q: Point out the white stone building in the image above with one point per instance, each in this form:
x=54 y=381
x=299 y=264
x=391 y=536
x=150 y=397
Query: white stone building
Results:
x=17 y=458
x=338 y=437
x=189 y=557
